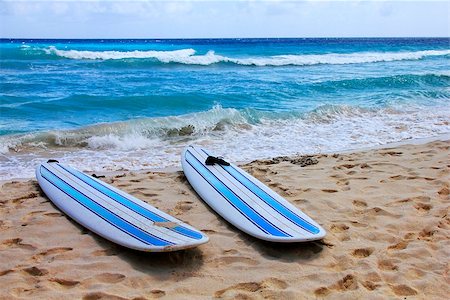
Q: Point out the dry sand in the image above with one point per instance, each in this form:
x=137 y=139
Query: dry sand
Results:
x=386 y=212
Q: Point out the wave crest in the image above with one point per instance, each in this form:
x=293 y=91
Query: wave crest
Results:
x=163 y=56
x=189 y=57
x=133 y=134
x=215 y=124
x=240 y=134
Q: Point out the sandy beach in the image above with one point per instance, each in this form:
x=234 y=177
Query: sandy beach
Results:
x=386 y=212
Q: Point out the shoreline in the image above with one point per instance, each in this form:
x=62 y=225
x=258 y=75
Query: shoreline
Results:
x=417 y=141
x=385 y=212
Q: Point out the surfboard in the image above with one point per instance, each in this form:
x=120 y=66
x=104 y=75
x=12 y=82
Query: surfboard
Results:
x=246 y=202
x=112 y=213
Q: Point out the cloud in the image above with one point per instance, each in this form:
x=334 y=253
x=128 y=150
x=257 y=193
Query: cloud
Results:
x=193 y=18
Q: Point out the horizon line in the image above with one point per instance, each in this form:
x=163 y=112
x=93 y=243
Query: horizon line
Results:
x=234 y=38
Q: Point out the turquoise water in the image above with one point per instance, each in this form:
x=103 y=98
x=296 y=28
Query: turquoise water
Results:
x=132 y=104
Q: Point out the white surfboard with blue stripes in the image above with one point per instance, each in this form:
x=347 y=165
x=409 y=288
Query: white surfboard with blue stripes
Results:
x=113 y=214
x=245 y=202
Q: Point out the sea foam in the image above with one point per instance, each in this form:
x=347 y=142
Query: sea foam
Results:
x=163 y=56
x=187 y=56
x=241 y=135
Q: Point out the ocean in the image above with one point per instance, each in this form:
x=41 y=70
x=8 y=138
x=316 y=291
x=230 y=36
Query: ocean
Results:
x=103 y=105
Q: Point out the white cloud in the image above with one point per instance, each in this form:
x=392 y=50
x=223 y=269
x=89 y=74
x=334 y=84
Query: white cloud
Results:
x=192 y=18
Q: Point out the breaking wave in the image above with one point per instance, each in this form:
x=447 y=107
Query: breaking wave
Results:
x=133 y=134
x=219 y=122
x=163 y=56
x=189 y=57
x=241 y=135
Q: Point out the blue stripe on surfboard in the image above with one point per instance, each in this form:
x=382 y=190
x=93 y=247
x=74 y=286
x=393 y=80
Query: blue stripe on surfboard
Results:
x=277 y=206
x=252 y=221
x=130 y=204
x=280 y=208
x=246 y=210
x=101 y=211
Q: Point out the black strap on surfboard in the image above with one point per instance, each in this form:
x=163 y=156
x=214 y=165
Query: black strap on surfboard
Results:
x=211 y=160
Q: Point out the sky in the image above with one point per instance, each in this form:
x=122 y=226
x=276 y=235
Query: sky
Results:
x=223 y=19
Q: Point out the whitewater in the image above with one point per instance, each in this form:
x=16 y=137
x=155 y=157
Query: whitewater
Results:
x=135 y=104
x=187 y=56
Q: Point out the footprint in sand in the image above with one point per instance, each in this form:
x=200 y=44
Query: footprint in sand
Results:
x=16 y=243
x=244 y=290
x=101 y=295
x=282 y=190
x=54 y=214
x=377 y=211
x=359 y=203
x=181 y=178
x=371 y=286
x=140 y=189
x=338 y=228
x=105 y=252
x=229 y=260
x=410 y=236
x=387 y=265
x=415 y=273
x=349 y=282
x=444 y=223
x=357 y=224
x=399 y=246
x=36 y=212
x=209 y=231
x=50 y=252
x=346 y=166
x=230 y=251
x=371 y=281
x=110 y=277
x=322 y=291
x=342 y=182
x=5 y=272
x=35 y=271
x=391 y=153
x=365 y=166
x=183 y=207
x=32 y=216
x=427 y=234
x=423 y=208
x=444 y=192
x=65 y=283
x=399 y=202
x=244 y=286
x=362 y=252
x=329 y=191
x=301 y=201
x=403 y=290
x=398 y=177
x=137 y=192
x=157 y=293
x=337 y=176
x=122 y=185
x=21 y=199
x=402 y=177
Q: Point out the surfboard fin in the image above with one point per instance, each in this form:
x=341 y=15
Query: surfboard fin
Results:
x=52 y=161
x=211 y=160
